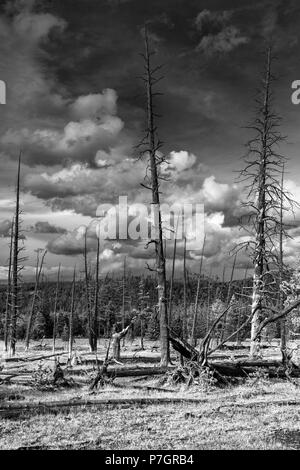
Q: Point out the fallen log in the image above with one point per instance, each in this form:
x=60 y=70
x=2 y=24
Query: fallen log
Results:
x=124 y=360
x=183 y=348
x=14 y=409
x=234 y=368
x=136 y=372
x=31 y=359
x=145 y=387
x=273 y=369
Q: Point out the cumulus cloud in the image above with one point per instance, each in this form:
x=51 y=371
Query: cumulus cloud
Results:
x=72 y=243
x=78 y=140
x=179 y=162
x=225 y=198
x=93 y=106
x=36 y=26
x=82 y=188
x=46 y=227
x=23 y=33
x=223 y=42
x=209 y=22
x=5 y=226
x=217 y=35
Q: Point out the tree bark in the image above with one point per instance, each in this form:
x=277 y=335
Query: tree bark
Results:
x=71 y=338
x=8 y=292
x=39 y=268
x=259 y=260
x=15 y=268
x=87 y=293
x=283 y=323
x=160 y=259
x=94 y=330
x=193 y=338
x=55 y=308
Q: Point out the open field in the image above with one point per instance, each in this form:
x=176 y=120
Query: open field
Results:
x=143 y=412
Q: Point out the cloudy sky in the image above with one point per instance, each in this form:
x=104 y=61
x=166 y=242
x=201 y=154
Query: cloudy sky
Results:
x=75 y=106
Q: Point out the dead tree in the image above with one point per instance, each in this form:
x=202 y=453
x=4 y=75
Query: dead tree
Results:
x=8 y=291
x=280 y=273
x=38 y=270
x=153 y=146
x=116 y=341
x=94 y=326
x=55 y=307
x=172 y=276
x=15 y=267
x=184 y=316
x=238 y=336
x=228 y=299
x=71 y=315
x=193 y=338
x=123 y=296
x=87 y=293
x=123 y=293
x=263 y=165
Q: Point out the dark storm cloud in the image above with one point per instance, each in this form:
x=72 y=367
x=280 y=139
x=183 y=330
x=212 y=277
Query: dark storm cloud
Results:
x=45 y=227
x=61 y=58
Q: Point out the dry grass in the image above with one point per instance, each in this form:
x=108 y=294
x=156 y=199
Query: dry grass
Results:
x=203 y=426
x=245 y=416
x=237 y=418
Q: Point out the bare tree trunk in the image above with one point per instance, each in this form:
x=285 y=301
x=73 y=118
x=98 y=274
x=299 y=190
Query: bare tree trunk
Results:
x=228 y=298
x=8 y=292
x=15 y=268
x=172 y=277
x=193 y=339
x=123 y=297
x=96 y=300
x=87 y=293
x=39 y=268
x=123 y=294
x=116 y=341
x=238 y=336
x=71 y=338
x=55 y=308
x=259 y=260
x=184 y=318
x=160 y=259
x=142 y=331
x=283 y=332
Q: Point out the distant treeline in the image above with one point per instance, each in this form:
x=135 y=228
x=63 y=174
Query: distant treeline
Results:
x=140 y=296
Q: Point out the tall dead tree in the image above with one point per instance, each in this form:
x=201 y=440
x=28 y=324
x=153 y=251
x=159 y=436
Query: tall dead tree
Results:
x=263 y=167
x=87 y=292
x=15 y=268
x=228 y=298
x=240 y=306
x=283 y=323
x=38 y=270
x=184 y=316
x=55 y=307
x=153 y=145
x=123 y=293
x=8 y=291
x=94 y=326
x=71 y=315
x=193 y=338
x=172 y=275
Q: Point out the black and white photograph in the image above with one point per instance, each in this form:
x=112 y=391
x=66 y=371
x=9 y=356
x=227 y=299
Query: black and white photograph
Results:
x=149 y=227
